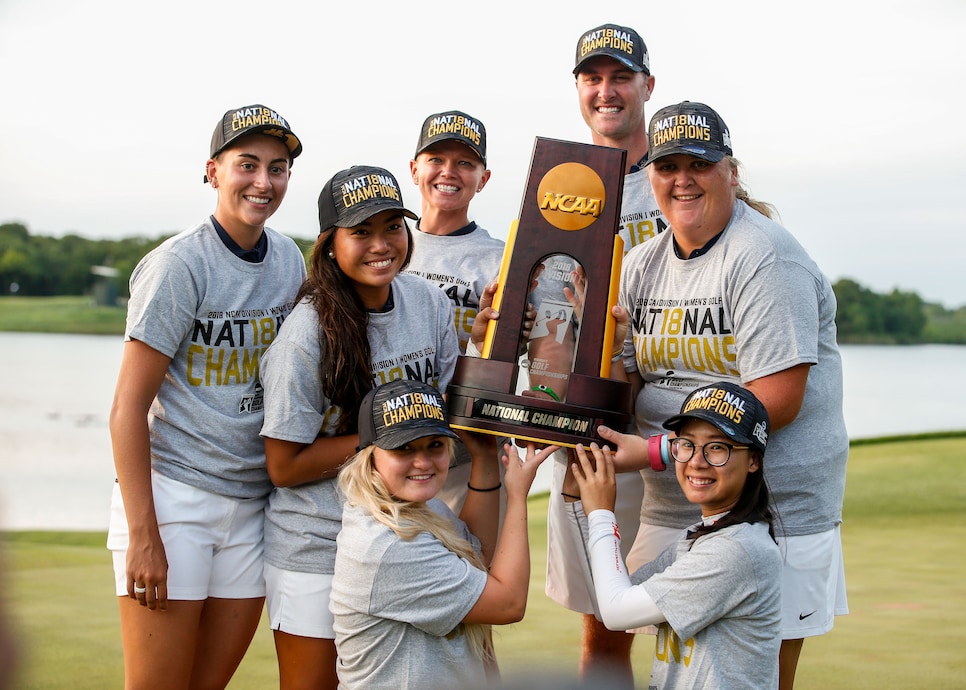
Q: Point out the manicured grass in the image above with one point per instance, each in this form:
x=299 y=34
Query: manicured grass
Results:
x=60 y=315
x=905 y=565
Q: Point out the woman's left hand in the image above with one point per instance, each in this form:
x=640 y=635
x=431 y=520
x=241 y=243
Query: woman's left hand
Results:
x=480 y=446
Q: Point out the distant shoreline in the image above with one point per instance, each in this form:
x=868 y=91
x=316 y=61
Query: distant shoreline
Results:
x=71 y=314
x=78 y=315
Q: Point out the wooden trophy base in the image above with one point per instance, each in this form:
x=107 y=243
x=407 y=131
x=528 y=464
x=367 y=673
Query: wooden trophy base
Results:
x=478 y=402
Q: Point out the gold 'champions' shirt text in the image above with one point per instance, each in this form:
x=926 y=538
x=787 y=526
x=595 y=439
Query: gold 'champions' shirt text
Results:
x=225 y=348
x=694 y=334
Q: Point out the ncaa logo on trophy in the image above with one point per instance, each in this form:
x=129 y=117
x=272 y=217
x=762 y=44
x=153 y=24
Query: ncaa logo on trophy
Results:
x=562 y=265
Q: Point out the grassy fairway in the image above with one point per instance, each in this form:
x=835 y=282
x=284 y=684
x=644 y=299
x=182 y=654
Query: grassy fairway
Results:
x=905 y=564
x=60 y=315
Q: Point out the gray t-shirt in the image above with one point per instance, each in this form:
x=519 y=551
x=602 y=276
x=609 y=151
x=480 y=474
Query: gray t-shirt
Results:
x=398 y=607
x=413 y=340
x=461 y=266
x=755 y=304
x=215 y=315
x=721 y=597
x=641 y=218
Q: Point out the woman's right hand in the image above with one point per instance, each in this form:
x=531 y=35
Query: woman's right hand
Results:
x=484 y=315
x=147 y=569
x=594 y=472
x=142 y=370
x=630 y=449
x=520 y=473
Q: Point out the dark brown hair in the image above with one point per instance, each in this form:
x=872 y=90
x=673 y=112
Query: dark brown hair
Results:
x=753 y=505
x=345 y=365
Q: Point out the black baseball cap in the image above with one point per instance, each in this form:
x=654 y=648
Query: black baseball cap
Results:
x=252 y=119
x=454 y=125
x=401 y=411
x=358 y=193
x=691 y=128
x=619 y=42
x=732 y=409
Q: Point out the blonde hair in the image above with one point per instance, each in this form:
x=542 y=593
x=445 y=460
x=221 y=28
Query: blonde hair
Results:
x=363 y=486
x=742 y=194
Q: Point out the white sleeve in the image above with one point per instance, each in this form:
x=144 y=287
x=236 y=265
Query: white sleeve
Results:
x=472 y=350
x=622 y=605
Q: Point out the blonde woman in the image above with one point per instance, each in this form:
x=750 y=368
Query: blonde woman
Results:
x=416 y=588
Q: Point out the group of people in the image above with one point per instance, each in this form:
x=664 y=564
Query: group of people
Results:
x=280 y=436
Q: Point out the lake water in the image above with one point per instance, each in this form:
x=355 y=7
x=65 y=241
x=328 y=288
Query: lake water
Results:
x=56 y=469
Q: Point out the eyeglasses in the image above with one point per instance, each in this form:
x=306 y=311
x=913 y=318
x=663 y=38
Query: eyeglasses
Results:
x=716 y=453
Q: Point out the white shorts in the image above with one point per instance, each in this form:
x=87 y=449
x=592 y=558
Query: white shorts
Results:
x=568 y=572
x=213 y=543
x=813 y=586
x=298 y=603
x=651 y=541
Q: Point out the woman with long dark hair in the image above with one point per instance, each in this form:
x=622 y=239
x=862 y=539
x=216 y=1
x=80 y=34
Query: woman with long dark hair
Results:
x=358 y=323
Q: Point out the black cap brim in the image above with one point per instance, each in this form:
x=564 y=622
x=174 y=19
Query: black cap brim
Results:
x=629 y=64
x=715 y=420
x=396 y=439
x=710 y=155
x=350 y=220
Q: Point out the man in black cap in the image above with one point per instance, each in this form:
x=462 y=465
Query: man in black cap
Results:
x=614 y=81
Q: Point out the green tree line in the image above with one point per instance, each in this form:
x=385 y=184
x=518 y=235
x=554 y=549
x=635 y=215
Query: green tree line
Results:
x=38 y=266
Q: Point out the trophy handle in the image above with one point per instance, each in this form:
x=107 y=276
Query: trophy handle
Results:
x=501 y=286
x=610 y=325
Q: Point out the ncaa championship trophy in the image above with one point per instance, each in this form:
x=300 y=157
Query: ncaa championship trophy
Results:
x=562 y=264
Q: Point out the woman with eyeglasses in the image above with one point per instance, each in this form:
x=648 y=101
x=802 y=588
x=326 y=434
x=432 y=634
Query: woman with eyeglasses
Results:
x=715 y=595
x=728 y=294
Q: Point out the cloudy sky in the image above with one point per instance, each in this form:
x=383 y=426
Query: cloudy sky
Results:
x=847 y=114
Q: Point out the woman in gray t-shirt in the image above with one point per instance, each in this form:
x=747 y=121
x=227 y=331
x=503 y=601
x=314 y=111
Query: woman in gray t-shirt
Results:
x=358 y=322
x=715 y=595
x=415 y=587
